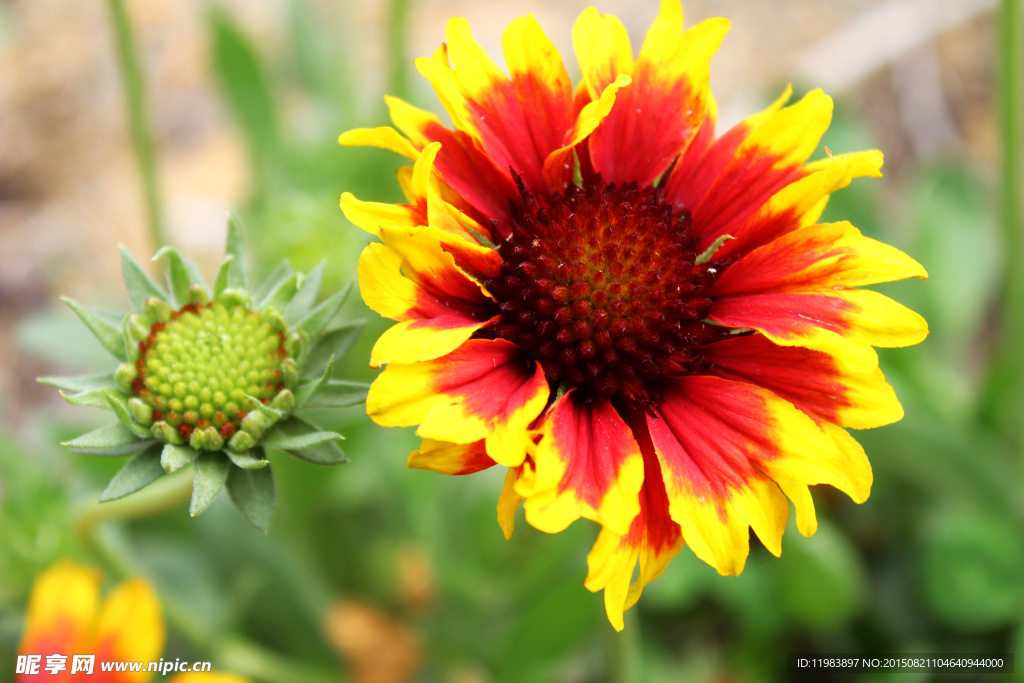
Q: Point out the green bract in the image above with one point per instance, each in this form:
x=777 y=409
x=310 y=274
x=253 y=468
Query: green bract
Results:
x=212 y=379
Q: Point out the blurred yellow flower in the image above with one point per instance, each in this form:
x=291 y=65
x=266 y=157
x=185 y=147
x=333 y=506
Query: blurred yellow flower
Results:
x=66 y=618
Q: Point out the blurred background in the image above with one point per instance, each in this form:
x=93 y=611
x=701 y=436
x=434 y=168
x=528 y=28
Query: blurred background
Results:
x=373 y=573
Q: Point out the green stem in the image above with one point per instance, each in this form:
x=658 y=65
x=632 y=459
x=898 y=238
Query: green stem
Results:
x=142 y=133
x=228 y=652
x=626 y=665
x=398 y=69
x=163 y=494
x=1011 y=119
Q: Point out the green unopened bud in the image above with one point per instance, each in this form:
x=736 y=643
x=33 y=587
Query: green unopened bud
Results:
x=198 y=295
x=138 y=330
x=275 y=319
x=208 y=439
x=294 y=346
x=156 y=310
x=284 y=401
x=141 y=413
x=289 y=372
x=241 y=441
x=255 y=423
x=235 y=297
x=125 y=375
x=166 y=433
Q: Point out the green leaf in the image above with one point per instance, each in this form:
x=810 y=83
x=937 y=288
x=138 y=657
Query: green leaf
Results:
x=119 y=404
x=173 y=458
x=246 y=460
x=131 y=351
x=823 y=580
x=235 y=248
x=220 y=283
x=254 y=495
x=281 y=273
x=211 y=469
x=974 y=571
x=280 y=296
x=137 y=473
x=114 y=439
x=244 y=85
x=335 y=342
x=177 y=275
x=80 y=383
x=94 y=398
x=318 y=319
x=338 y=394
x=302 y=304
x=305 y=391
x=137 y=281
x=293 y=434
x=108 y=335
x=326 y=452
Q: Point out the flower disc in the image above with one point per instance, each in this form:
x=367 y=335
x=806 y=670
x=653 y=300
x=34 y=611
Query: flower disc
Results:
x=198 y=369
x=600 y=285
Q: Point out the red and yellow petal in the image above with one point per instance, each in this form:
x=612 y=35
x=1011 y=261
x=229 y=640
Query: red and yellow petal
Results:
x=844 y=323
x=769 y=158
x=384 y=137
x=603 y=50
x=61 y=610
x=207 y=677
x=814 y=382
x=587 y=465
x=471 y=173
x=484 y=390
x=655 y=117
x=130 y=627
x=517 y=121
x=450 y=458
x=653 y=539
x=800 y=203
x=818 y=257
x=558 y=167
x=509 y=501
x=410 y=278
x=724 y=447
x=706 y=157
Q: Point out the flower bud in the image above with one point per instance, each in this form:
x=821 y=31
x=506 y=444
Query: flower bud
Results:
x=241 y=441
x=156 y=310
x=166 y=433
x=235 y=297
x=284 y=401
x=125 y=375
x=141 y=412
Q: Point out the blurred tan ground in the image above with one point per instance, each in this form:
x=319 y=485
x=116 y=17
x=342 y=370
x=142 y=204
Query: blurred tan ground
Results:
x=69 y=189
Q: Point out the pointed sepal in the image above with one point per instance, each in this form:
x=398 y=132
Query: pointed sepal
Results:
x=253 y=494
x=138 y=473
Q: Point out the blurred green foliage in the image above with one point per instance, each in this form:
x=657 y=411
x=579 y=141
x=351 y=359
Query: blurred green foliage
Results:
x=934 y=561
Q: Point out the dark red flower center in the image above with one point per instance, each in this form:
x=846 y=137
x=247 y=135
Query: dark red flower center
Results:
x=601 y=287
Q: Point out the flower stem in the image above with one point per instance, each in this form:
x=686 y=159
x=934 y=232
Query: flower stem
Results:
x=625 y=664
x=1011 y=120
x=142 y=134
x=398 y=72
x=227 y=651
x=164 y=494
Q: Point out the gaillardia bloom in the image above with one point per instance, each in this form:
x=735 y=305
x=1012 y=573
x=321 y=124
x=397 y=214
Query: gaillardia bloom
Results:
x=644 y=322
x=214 y=380
x=66 y=618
